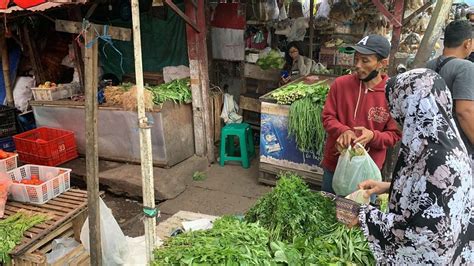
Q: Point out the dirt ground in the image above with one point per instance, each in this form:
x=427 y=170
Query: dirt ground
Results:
x=225 y=190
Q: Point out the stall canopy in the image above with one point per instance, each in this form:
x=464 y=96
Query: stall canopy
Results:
x=31 y=5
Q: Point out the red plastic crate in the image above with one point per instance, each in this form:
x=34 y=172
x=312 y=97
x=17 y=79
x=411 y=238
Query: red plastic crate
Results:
x=46 y=146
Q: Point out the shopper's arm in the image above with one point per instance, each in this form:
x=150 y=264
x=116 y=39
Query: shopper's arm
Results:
x=465 y=115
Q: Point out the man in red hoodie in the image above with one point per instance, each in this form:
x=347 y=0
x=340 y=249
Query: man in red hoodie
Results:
x=356 y=109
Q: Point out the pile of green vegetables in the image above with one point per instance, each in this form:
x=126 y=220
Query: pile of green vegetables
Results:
x=272 y=59
x=177 y=91
x=289 y=226
x=12 y=229
x=305 y=117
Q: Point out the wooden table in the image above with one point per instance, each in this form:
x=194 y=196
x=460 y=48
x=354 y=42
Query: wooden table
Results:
x=68 y=212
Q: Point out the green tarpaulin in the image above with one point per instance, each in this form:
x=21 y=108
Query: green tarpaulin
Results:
x=163 y=44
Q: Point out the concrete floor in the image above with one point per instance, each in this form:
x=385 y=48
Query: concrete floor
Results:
x=225 y=190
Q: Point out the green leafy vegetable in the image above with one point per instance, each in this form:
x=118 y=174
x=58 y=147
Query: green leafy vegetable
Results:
x=292 y=210
x=272 y=59
x=177 y=91
x=229 y=242
x=12 y=229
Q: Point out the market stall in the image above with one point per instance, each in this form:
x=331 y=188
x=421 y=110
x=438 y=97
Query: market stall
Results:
x=279 y=147
x=118 y=131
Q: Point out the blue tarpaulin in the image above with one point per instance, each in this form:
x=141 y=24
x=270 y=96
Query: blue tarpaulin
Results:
x=14 y=57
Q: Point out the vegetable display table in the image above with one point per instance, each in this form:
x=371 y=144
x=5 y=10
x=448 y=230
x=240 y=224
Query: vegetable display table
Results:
x=171 y=131
x=67 y=214
x=278 y=151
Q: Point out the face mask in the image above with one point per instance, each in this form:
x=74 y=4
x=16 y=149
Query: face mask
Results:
x=371 y=76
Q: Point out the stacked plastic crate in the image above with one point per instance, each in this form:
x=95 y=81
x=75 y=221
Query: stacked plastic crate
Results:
x=7 y=128
x=39 y=180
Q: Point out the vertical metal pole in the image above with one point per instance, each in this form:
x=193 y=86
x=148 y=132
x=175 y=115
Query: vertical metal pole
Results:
x=6 y=70
x=92 y=152
x=145 y=137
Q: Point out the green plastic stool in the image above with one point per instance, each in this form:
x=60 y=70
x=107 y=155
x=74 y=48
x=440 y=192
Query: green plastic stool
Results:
x=247 y=149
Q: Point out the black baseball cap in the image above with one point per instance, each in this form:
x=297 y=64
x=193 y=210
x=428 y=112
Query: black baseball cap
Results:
x=373 y=44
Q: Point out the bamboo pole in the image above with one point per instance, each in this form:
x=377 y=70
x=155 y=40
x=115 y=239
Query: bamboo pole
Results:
x=92 y=151
x=437 y=21
x=145 y=137
x=311 y=28
x=6 y=70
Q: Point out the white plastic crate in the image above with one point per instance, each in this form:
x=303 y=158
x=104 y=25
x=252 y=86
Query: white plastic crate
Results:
x=56 y=181
x=59 y=92
x=9 y=163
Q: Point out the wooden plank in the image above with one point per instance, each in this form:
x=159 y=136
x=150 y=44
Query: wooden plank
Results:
x=255 y=72
x=92 y=152
x=69 y=206
x=47 y=238
x=117 y=33
x=249 y=103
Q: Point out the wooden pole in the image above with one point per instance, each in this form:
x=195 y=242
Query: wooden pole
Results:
x=34 y=56
x=204 y=76
x=92 y=153
x=399 y=11
x=193 y=50
x=6 y=70
x=145 y=138
x=428 y=42
x=311 y=28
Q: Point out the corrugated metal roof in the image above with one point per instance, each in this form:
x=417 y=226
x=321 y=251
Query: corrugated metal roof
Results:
x=38 y=8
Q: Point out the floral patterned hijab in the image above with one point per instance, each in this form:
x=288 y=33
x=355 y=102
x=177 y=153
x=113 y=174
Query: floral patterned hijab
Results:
x=430 y=208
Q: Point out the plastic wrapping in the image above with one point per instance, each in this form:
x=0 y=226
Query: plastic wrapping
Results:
x=61 y=247
x=114 y=242
x=5 y=183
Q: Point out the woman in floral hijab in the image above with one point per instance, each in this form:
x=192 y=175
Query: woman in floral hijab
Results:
x=430 y=207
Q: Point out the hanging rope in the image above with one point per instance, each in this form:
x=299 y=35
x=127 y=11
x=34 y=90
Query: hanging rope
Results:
x=105 y=37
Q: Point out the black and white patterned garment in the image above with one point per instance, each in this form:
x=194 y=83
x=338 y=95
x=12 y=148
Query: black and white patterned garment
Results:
x=430 y=207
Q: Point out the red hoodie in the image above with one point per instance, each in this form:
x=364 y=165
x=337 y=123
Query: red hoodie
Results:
x=350 y=104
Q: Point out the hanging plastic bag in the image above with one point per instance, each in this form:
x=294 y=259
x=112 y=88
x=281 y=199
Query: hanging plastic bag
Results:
x=5 y=183
x=323 y=10
x=230 y=110
x=354 y=166
x=114 y=243
x=272 y=9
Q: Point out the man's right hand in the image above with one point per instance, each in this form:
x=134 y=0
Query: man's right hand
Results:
x=345 y=139
x=374 y=187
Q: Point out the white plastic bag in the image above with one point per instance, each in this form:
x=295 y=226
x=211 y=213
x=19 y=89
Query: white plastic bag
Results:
x=230 y=110
x=323 y=10
x=61 y=247
x=352 y=170
x=22 y=93
x=114 y=243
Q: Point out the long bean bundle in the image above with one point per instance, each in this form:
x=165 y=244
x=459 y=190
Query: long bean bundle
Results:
x=305 y=120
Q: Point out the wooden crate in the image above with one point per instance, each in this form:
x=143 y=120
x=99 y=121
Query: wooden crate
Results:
x=68 y=212
x=268 y=175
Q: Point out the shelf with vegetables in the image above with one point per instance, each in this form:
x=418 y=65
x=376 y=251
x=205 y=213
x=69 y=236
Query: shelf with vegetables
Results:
x=292 y=135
